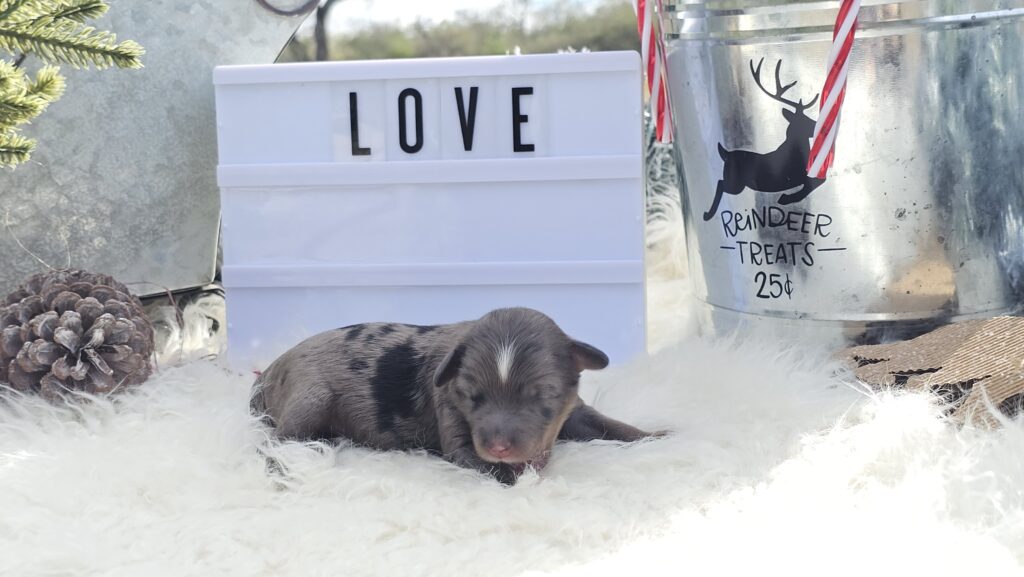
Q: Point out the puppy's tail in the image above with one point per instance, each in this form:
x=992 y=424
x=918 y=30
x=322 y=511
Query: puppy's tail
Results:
x=274 y=468
x=258 y=401
x=258 y=408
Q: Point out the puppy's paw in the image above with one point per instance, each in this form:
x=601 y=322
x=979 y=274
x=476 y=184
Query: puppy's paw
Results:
x=505 y=474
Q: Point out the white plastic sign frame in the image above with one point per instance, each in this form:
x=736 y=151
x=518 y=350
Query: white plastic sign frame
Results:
x=429 y=191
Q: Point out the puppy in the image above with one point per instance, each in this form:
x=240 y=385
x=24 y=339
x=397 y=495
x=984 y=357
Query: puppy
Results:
x=492 y=394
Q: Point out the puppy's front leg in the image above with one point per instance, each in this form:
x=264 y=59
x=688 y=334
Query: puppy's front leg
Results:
x=586 y=424
x=467 y=457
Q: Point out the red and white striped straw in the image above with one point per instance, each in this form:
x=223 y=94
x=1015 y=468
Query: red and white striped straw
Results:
x=652 y=50
x=823 y=147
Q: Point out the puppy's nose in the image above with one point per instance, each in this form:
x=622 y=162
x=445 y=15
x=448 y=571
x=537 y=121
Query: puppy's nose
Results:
x=500 y=449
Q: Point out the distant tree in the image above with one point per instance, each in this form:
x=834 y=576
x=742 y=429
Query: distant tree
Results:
x=611 y=26
x=301 y=47
x=320 y=33
x=472 y=34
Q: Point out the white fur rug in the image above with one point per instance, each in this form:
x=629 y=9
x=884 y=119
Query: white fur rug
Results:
x=780 y=464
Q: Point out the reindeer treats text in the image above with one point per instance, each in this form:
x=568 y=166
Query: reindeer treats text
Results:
x=493 y=394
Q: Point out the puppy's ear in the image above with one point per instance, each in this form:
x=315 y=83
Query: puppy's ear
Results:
x=587 y=357
x=450 y=366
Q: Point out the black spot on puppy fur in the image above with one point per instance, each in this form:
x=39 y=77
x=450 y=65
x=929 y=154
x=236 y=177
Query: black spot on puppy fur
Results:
x=387 y=330
x=357 y=365
x=394 y=384
x=354 y=332
x=424 y=329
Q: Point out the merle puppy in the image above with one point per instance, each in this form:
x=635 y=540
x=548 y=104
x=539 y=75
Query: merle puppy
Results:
x=491 y=394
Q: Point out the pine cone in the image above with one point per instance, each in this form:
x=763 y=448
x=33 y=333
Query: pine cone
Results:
x=73 y=330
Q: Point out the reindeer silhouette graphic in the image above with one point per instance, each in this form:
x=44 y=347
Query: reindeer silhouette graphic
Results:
x=782 y=169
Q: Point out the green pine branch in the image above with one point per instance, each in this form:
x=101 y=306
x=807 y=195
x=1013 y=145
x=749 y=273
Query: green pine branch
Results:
x=35 y=11
x=20 y=102
x=15 y=106
x=79 y=11
x=17 y=109
x=15 y=149
x=11 y=79
x=69 y=42
x=47 y=87
x=55 y=31
x=9 y=9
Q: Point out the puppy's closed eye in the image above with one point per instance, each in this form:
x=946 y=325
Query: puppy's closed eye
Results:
x=548 y=393
x=477 y=399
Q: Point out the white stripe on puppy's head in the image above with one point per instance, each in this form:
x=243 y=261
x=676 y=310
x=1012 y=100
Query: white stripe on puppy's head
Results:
x=504 y=358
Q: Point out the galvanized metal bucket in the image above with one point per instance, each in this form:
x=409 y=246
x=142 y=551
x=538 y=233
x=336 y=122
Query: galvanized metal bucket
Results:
x=920 y=219
x=124 y=179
